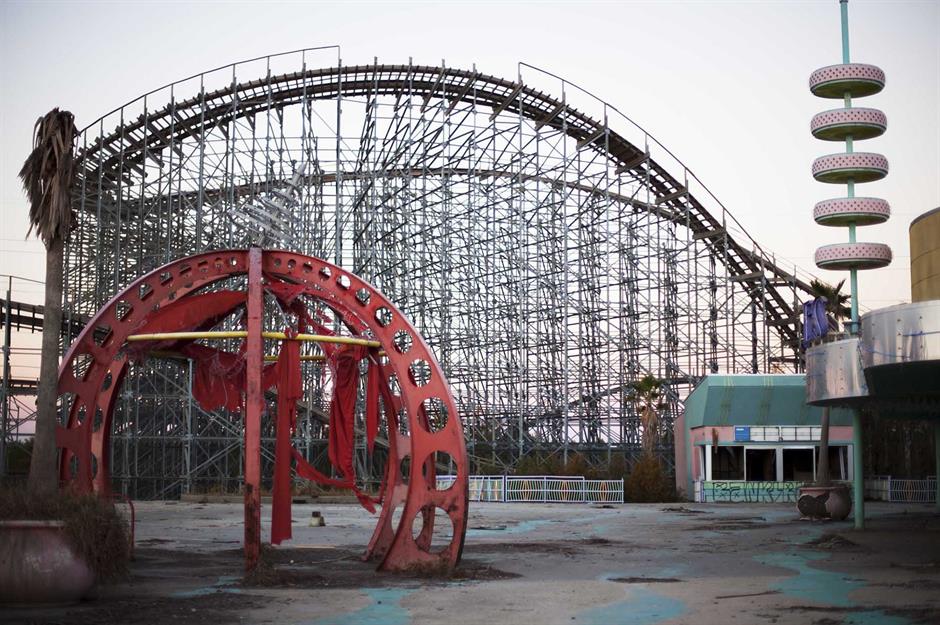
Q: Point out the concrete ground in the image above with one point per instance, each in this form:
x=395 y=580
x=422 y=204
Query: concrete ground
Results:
x=536 y=564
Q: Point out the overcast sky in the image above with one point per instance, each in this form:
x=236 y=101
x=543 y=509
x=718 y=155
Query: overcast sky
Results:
x=723 y=85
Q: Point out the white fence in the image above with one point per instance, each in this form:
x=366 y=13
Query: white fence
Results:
x=887 y=488
x=540 y=489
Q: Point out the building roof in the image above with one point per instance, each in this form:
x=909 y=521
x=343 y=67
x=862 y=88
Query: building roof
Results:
x=755 y=400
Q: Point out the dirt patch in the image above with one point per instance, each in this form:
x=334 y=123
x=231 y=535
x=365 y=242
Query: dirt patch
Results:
x=645 y=580
x=684 y=510
x=833 y=542
x=914 y=584
x=749 y=594
x=915 y=614
x=567 y=548
x=216 y=607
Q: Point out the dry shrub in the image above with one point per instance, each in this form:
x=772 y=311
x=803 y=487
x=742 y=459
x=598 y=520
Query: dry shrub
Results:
x=97 y=532
x=649 y=483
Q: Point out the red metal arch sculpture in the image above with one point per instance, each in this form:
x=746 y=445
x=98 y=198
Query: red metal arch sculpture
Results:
x=96 y=363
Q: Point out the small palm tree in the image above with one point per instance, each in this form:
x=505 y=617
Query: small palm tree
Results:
x=837 y=302
x=648 y=399
x=47 y=177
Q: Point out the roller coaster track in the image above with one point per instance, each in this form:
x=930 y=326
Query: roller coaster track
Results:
x=110 y=156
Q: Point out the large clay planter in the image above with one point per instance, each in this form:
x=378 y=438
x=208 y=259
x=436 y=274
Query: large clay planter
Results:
x=825 y=502
x=39 y=566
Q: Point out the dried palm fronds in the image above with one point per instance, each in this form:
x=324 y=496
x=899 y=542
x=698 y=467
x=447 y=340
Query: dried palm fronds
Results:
x=47 y=176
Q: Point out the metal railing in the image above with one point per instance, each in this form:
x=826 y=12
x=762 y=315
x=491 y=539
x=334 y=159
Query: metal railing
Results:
x=539 y=489
x=887 y=488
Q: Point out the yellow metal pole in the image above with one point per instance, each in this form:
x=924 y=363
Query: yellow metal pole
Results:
x=240 y=334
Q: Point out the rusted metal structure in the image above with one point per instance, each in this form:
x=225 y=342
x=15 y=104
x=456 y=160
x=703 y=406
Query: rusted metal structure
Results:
x=549 y=249
x=185 y=298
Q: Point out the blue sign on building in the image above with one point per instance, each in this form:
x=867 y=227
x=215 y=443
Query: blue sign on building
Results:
x=742 y=433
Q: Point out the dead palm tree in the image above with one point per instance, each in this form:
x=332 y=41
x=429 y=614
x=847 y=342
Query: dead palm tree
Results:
x=837 y=308
x=47 y=177
x=647 y=396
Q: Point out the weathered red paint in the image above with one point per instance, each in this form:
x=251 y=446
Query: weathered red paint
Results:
x=363 y=309
x=254 y=407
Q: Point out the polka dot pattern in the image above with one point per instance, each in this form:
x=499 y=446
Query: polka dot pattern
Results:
x=852 y=116
x=848 y=72
x=874 y=207
x=855 y=160
x=853 y=256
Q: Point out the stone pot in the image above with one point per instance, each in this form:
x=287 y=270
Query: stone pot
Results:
x=39 y=566
x=824 y=502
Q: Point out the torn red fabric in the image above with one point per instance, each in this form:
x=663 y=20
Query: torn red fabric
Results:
x=190 y=314
x=372 y=405
x=345 y=366
x=219 y=376
x=289 y=392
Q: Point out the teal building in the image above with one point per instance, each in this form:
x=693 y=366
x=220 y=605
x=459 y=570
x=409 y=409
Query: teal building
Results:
x=753 y=438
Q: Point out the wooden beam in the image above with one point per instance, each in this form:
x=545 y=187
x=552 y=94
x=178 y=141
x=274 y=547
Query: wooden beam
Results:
x=672 y=196
x=506 y=102
x=633 y=163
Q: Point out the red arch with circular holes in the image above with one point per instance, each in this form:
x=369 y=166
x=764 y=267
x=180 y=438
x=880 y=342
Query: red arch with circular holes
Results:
x=95 y=365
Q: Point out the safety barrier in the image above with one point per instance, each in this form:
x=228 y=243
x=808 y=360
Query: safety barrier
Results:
x=887 y=488
x=539 y=489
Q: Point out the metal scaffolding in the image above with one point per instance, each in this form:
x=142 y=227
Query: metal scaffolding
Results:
x=549 y=249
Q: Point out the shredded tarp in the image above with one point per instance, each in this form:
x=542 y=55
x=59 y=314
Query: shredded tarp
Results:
x=219 y=382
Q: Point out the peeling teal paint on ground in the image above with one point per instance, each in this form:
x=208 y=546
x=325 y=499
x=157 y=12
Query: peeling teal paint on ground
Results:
x=222 y=584
x=641 y=607
x=811 y=584
x=827 y=588
x=385 y=609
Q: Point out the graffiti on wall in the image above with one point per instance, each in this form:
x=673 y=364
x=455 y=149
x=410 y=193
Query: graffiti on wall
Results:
x=750 y=492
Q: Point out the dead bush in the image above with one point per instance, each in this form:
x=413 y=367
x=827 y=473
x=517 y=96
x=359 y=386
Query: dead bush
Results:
x=97 y=532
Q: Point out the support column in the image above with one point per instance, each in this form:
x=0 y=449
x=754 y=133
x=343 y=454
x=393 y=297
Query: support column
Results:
x=858 y=477
x=254 y=407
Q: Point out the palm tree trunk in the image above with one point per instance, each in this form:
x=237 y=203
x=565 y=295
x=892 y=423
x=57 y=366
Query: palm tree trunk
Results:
x=822 y=470
x=42 y=467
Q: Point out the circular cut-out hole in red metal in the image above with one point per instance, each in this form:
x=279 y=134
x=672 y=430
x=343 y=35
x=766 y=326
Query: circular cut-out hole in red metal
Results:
x=81 y=363
x=99 y=418
x=325 y=272
x=64 y=407
x=405 y=469
x=442 y=533
x=102 y=334
x=403 y=422
x=80 y=415
x=384 y=316
x=445 y=469
x=122 y=309
x=393 y=385
x=435 y=413
x=106 y=383
x=402 y=341
x=419 y=371
x=343 y=282
x=395 y=518
x=363 y=296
